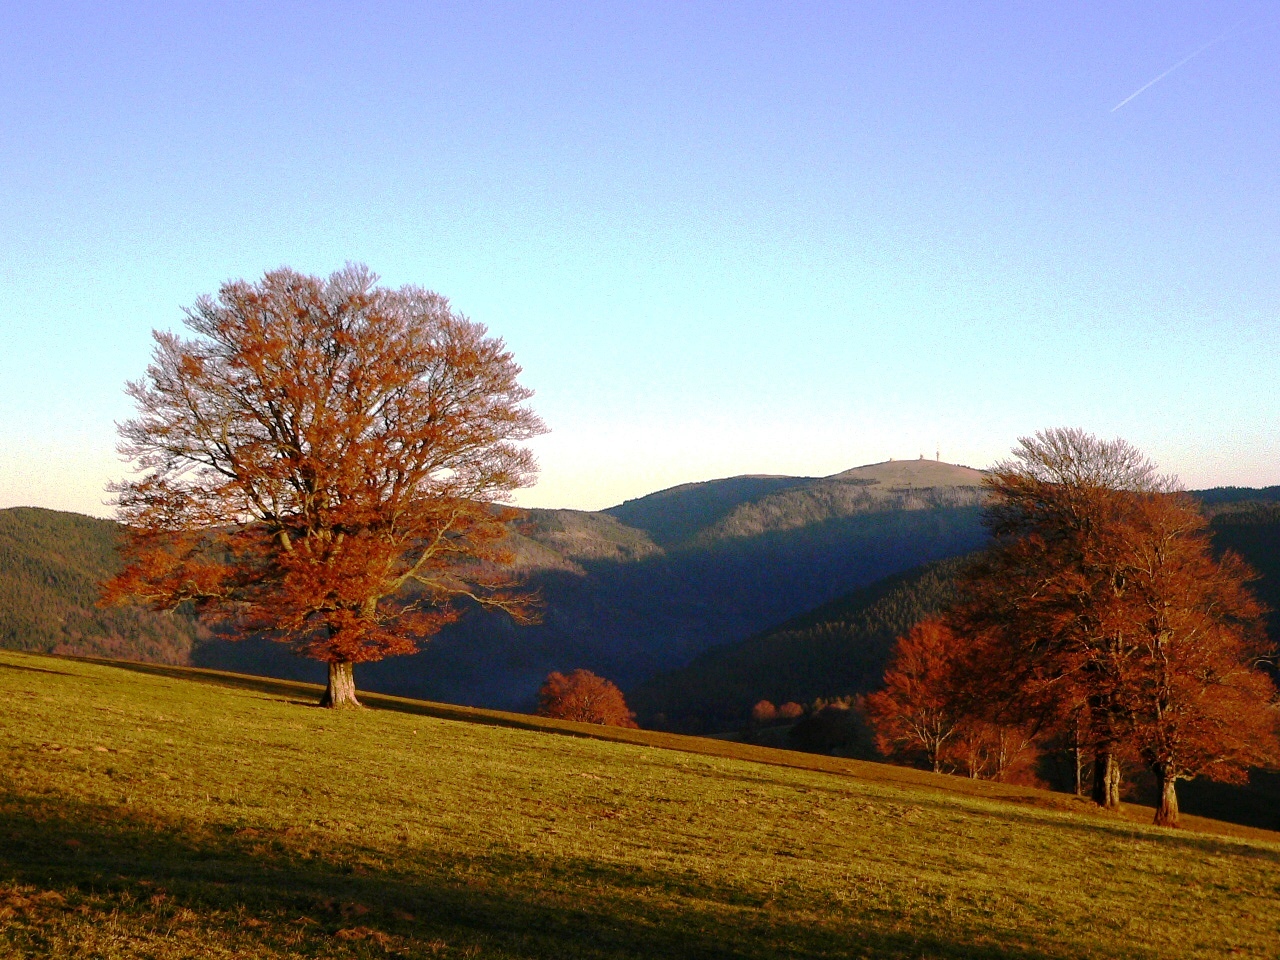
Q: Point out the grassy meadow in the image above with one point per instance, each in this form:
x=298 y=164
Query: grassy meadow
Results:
x=145 y=814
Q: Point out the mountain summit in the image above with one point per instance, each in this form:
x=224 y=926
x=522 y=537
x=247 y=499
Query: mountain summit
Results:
x=753 y=505
x=914 y=474
x=649 y=584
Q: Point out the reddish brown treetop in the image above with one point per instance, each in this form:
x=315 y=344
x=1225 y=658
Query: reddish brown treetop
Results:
x=584 y=697
x=320 y=460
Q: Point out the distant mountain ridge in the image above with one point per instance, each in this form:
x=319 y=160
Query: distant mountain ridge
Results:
x=701 y=513
x=841 y=647
x=632 y=592
x=893 y=485
x=673 y=516
x=649 y=584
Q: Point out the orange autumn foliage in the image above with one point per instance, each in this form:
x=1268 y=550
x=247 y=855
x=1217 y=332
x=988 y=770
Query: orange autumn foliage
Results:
x=319 y=463
x=917 y=710
x=1101 y=609
x=931 y=708
x=790 y=711
x=1100 y=612
x=584 y=697
x=1196 y=701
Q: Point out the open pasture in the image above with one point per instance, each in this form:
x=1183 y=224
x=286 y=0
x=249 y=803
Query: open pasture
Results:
x=148 y=815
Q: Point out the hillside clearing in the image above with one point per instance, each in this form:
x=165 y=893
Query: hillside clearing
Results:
x=146 y=815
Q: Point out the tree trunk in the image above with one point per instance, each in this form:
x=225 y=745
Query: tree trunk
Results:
x=1106 y=780
x=1167 y=809
x=1113 y=784
x=1100 y=760
x=341 y=691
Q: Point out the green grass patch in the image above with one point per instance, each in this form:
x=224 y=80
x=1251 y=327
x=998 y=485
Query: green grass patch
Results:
x=144 y=814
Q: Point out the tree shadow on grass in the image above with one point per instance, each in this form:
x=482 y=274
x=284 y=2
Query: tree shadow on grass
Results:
x=1026 y=810
x=287 y=897
x=19 y=666
x=1106 y=827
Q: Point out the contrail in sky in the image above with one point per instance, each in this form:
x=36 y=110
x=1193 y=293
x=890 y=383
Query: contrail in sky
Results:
x=1187 y=59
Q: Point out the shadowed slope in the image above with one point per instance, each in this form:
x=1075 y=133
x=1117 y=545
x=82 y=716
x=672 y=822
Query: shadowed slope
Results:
x=839 y=648
x=715 y=562
x=617 y=601
x=675 y=515
x=832 y=651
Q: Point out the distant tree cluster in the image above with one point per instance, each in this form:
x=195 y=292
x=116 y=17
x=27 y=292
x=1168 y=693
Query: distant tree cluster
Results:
x=584 y=697
x=1100 y=616
x=928 y=711
x=764 y=712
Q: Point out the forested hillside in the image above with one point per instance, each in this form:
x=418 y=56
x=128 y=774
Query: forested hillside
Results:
x=840 y=648
x=649 y=585
x=640 y=590
x=1248 y=522
x=51 y=564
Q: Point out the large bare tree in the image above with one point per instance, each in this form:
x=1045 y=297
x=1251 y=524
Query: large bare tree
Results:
x=1198 y=703
x=1042 y=601
x=320 y=463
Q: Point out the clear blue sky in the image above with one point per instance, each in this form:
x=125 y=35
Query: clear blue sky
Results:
x=720 y=238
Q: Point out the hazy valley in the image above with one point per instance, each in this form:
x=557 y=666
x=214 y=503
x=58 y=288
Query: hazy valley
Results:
x=697 y=600
x=627 y=592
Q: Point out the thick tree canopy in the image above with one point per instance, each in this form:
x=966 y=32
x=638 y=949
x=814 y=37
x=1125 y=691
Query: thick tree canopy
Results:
x=321 y=462
x=1042 y=604
x=1101 y=609
x=1198 y=703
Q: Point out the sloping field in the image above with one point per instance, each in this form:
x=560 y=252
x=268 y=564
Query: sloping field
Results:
x=144 y=814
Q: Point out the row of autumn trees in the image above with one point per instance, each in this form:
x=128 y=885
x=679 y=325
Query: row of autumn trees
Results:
x=1100 y=616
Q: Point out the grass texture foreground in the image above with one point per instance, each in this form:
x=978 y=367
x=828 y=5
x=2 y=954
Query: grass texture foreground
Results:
x=151 y=816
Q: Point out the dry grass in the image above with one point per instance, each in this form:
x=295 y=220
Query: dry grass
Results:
x=146 y=815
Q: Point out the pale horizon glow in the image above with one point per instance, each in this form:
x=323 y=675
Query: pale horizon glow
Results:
x=766 y=238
